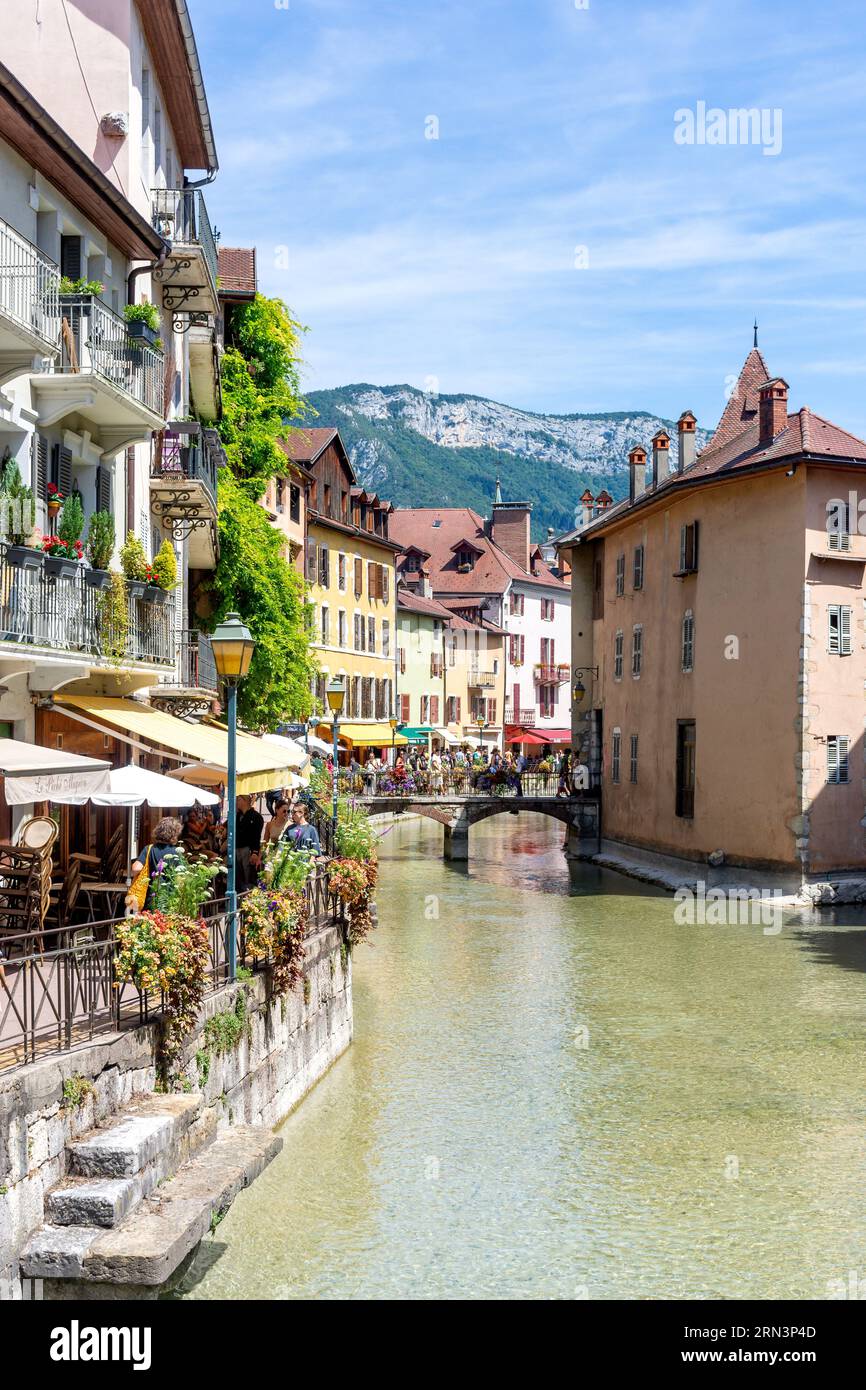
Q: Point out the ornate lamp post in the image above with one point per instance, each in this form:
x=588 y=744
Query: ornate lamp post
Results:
x=480 y=721
x=335 y=691
x=233 y=647
x=578 y=690
x=393 y=722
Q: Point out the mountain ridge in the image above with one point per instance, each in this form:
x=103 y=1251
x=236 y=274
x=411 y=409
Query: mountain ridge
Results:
x=428 y=449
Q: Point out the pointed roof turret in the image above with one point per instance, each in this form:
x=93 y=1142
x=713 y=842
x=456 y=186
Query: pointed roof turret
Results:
x=742 y=407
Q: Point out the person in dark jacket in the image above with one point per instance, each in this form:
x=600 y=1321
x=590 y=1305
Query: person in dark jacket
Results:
x=248 y=842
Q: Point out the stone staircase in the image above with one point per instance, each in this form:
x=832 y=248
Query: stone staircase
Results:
x=140 y=1194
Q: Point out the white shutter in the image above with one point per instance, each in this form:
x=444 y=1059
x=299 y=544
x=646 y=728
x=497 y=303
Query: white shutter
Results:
x=843 y=758
x=845 y=631
x=833 y=628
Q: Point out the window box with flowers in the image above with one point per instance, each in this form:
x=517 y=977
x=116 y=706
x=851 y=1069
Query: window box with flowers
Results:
x=55 y=499
x=64 y=550
x=161 y=577
x=134 y=563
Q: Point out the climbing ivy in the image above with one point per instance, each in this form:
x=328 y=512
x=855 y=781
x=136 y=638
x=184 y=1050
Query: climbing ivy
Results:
x=254 y=578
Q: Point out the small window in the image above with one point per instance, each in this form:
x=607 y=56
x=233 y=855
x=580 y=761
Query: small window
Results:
x=636 y=651
x=616 y=748
x=839 y=629
x=688 y=653
x=839 y=527
x=688 y=548
x=620 y=575
x=686 y=742
x=837 y=758
x=326 y=627
x=617 y=656
x=637 y=575
x=632 y=769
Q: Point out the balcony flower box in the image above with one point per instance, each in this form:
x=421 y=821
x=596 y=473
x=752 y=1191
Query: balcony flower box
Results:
x=98 y=579
x=24 y=557
x=138 y=329
x=156 y=595
x=62 y=558
x=60 y=566
x=136 y=588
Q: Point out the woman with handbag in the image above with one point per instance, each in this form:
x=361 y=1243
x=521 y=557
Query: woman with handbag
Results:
x=147 y=870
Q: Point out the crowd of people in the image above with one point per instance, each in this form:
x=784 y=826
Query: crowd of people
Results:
x=202 y=835
x=461 y=769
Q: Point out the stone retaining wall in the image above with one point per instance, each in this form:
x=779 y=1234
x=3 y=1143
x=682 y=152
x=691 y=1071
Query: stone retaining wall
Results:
x=287 y=1044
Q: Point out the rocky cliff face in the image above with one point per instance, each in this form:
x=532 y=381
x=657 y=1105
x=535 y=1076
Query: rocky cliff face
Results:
x=423 y=449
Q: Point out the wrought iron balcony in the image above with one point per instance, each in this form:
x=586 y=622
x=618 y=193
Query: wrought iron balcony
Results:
x=116 y=382
x=523 y=717
x=193 y=684
x=189 y=276
x=64 y=615
x=29 y=295
x=556 y=674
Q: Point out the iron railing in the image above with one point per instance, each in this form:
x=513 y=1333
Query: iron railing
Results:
x=196 y=668
x=63 y=612
x=526 y=717
x=29 y=286
x=96 y=341
x=180 y=215
x=187 y=457
x=554 y=674
x=481 y=680
x=59 y=988
x=451 y=782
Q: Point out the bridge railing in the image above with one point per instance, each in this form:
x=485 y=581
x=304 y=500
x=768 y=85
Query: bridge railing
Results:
x=465 y=781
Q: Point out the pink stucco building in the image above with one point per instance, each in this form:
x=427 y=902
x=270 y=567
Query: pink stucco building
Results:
x=718 y=622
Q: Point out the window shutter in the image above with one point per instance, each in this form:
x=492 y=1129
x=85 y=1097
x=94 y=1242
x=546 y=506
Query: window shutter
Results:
x=845 y=631
x=359 y=577
x=386 y=584
x=40 y=460
x=70 y=257
x=64 y=471
x=311 y=561
x=683 y=545
x=103 y=489
x=457 y=718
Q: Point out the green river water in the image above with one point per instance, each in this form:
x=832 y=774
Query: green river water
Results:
x=555 y=1091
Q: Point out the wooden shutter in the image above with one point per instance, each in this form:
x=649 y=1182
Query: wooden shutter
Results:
x=103 y=489
x=311 y=561
x=40 y=470
x=70 y=257
x=64 y=471
x=404 y=709
x=434 y=709
x=845 y=631
x=359 y=577
x=457 y=714
x=386 y=584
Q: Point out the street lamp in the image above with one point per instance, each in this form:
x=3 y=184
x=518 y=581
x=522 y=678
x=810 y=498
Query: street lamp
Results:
x=335 y=691
x=480 y=722
x=579 y=689
x=233 y=647
x=393 y=722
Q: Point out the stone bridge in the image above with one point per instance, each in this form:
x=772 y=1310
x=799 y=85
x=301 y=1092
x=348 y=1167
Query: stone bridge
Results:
x=581 y=814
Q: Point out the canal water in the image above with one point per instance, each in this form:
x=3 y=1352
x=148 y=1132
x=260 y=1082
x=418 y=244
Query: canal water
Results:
x=556 y=1091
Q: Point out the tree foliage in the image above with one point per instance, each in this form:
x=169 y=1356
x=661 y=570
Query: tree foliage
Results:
x=255 y=579
x=261 y=389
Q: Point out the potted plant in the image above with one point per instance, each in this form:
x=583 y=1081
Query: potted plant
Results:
x=142 y=321
x=55 y=499
x=100 y=548
x=83 y=290
x=113 y=619
x=16 y=513
x=62 y=557
x=133 y=562
x=162 y=576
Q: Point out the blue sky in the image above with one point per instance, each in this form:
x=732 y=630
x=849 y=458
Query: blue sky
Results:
x=452 y=261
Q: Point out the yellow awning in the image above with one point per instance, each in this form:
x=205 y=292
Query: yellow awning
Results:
x=363 y=735
x=260 y=767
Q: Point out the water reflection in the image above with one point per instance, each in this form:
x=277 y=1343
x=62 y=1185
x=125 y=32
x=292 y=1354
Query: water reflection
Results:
x=554 y=1088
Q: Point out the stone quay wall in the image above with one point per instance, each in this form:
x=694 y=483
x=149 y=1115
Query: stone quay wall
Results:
x=284 y=1046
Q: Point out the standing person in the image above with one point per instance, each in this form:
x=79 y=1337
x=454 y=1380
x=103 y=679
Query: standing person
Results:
x=278 y=824
x=157 y=855
x=519 y=769
x=300 y=834
x=248 y=841
x=564 y=788
x=436 y=774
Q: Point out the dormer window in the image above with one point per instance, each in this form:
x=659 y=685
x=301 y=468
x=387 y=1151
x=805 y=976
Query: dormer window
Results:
x=412 y=564
x=465 y=559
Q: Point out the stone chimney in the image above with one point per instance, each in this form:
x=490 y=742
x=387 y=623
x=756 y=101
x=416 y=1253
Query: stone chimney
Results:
x=637 y=472
x=661 y=442
x=586 y=503
x=510 y=530
x=773 y=410
x=686 y=440
x=425 y=586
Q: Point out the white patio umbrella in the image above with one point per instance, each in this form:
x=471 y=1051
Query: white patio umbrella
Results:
x=318 y=745
x=133 y=786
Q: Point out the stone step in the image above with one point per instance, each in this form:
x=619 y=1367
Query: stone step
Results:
x=92 y=1201
x=146 y=1129
x=148 y=1245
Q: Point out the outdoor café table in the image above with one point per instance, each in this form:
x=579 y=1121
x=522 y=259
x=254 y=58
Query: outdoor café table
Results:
x=104 y=900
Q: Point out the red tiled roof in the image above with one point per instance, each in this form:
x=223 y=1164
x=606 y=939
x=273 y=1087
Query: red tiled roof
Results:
x=736 y=448
x=493 y=570
x=416 y=604
x=305 y=445
x=237 y=271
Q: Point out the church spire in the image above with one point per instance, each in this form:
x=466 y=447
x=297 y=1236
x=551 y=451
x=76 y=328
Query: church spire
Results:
x=756 y=333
